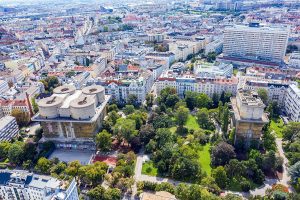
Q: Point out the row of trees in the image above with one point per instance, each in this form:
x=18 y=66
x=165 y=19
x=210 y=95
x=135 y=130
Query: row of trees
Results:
x=174 y=158
x=292 y=151
x=18 y=153
x=91 y=175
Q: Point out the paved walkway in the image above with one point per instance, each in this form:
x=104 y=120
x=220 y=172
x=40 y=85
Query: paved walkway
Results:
x=269 y=182
x=138 y=176
x=258 y=191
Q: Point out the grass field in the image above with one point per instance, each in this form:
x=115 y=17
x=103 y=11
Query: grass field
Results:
x=149 y=169
x=192 y=123
x=277 y=126
x=205 y=159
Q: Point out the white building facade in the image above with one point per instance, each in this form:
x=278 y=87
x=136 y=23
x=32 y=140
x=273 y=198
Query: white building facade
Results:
x=292 y=103
x=23 y=185
x=9 y=128
x=200 y=85
x=256 y=42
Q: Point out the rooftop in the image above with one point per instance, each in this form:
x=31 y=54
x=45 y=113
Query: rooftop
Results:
x=5 y=120
x=250 y=98
x=37 y=117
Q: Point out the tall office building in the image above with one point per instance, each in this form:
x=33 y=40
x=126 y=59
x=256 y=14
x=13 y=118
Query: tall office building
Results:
x=255 y=42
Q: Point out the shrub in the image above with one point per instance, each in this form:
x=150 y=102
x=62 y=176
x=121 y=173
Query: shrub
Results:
x=246 y=186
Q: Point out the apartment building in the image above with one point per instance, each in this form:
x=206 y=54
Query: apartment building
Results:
x=294 y=60
x=214 y=46
x=292 y=103
x=9 y=128
x=23 y=185
x=3 y=86
x=205 y=69
x=276 y=89
x=187 y=82
x=182 y=47
x=9 y=105
x=121 y=88
x=256 y=42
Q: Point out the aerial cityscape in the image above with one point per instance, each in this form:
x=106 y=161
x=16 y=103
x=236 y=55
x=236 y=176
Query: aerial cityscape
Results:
x=150 y=100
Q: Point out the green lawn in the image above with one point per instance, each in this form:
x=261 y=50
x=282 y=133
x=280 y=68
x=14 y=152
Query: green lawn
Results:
x=149 y=169
x=192 y=123
x=277 y=126
x=205 y=159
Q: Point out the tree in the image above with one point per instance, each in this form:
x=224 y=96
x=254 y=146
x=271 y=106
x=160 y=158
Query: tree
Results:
x=16 y=153
x=181 y=115
x=203 y=101
x=113 y=107
x=188 y=169
x=99 y=192
x=27 y=164
x=112 y=118
x=269 y=161
x=125 y=129
x=172 y=100
x=162 y=121
x=104 y=140
x=58 y=168
x=268 y=139
x=146 y=133
x=30 y=152
x=203 y=119
x=4 y=148
x=225 y=118
x=222 y=153
x=93 y=174
x=43 y=165
x=34 y=105
x=234 y=168
x=112 y=194
x=193 y=192
x=149 y=100
x=291 y=131
x=220 y=176
x=139 y=117
x=211 y=57
x=273 y=109
x=70 y=74
x=73 y=168
x=22 y=117
x=191 y=99
x=225 y=97
x=163 y=136
x=50 y=83
x=294 y=172
x=129 y=109
x=263 y=94
x=245 y=185
x=215 y=100
x=210 y=183
x=132 y=100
